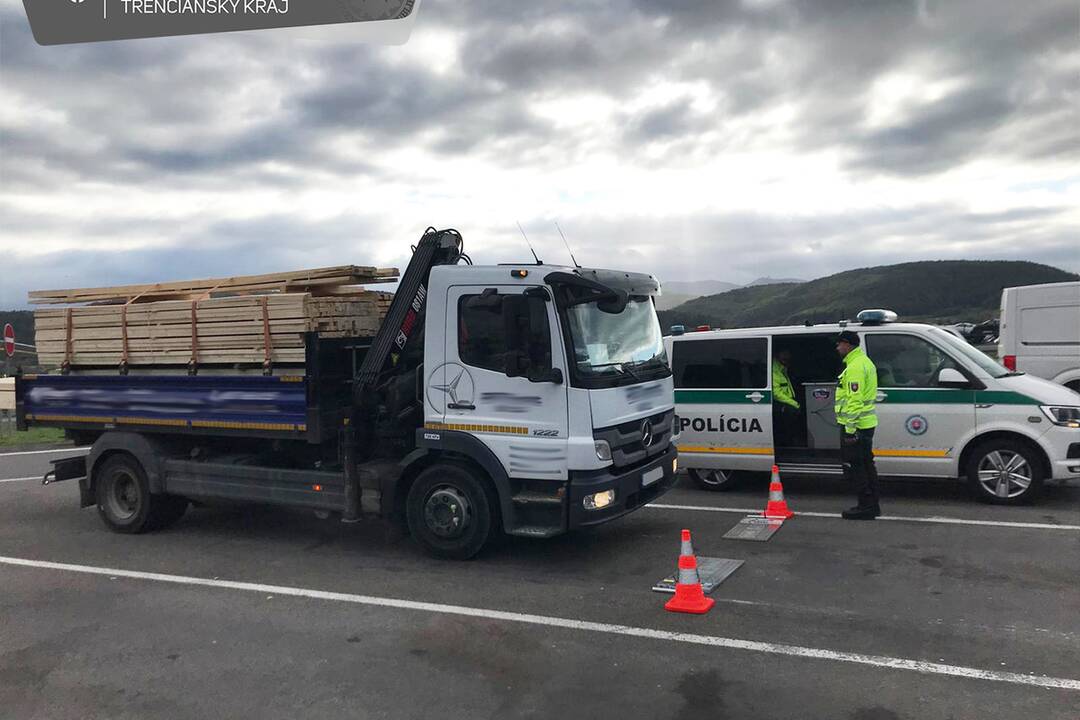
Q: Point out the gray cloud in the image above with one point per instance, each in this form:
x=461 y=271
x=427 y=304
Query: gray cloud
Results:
x=243 y=113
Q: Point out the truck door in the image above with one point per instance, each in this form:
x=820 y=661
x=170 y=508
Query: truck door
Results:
x=523 y=422
x=920 y=423
x=724 y=400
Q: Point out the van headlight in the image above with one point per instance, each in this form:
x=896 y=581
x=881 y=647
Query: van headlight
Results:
x=1063 y=415
x=603 y=450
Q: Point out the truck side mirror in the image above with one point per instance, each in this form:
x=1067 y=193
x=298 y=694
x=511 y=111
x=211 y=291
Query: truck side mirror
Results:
x=951 y=377
x=614 y=303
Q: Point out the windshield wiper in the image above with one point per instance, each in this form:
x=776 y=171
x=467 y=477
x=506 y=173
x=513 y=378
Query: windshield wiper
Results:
x=618 y=366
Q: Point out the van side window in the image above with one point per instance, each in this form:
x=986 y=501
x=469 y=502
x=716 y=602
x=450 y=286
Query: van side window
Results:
x=734 y=363
x=906 y=360
x=482 y=339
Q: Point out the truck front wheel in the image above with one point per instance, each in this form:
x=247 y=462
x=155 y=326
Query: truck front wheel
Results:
x=124 y=500
x=450 y=511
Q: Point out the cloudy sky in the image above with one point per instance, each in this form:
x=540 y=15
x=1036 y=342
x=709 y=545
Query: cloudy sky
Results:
x=723 y=140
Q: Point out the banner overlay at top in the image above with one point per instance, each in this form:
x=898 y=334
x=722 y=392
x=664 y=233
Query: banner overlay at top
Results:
x=56 y=22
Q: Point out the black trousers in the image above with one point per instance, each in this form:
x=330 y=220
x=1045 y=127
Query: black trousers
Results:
x=857 y=455
x=789 y=426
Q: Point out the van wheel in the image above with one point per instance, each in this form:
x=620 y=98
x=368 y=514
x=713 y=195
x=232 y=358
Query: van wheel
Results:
x=716 y=480
x=124 y=500
x=1005 y=472
x=450 y=511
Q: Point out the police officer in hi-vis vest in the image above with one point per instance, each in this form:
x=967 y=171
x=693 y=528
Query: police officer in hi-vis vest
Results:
x=786 y=410
x=856 y=393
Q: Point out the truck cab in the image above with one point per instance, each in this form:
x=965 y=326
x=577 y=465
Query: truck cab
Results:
x=555 y=381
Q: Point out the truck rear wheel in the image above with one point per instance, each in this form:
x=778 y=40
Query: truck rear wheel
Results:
x=124 y=500
x=450 y=511
x=1005 y=472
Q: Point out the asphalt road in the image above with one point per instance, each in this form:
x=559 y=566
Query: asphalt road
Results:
x=260 y=612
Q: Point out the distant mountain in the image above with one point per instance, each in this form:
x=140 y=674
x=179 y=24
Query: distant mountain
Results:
x=677 y=292
x=698 y=288
x=942 y=291
x=773 y=281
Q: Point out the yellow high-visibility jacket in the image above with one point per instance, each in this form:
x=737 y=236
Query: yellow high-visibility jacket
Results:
x=781 y=385
x=856 y=393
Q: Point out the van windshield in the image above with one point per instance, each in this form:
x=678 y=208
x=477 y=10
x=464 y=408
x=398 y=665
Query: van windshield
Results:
x=971 y=353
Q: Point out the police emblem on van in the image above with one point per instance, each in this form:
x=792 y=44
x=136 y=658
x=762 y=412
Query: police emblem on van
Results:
x=916 y=425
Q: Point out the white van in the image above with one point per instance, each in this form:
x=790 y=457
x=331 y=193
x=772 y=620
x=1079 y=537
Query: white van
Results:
x=945 y=410
x=1040 y=331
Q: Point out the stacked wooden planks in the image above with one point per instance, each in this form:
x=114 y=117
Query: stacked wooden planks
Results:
x=319 y=281
x=244 y=320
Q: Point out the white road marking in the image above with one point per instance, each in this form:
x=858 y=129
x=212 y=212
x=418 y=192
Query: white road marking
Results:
x=880 y=661
x=895 y=518
x=42 y=452
x=7 y=480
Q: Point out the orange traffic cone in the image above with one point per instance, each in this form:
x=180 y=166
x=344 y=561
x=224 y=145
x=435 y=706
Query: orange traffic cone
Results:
x=689 y=595
x=777 y=507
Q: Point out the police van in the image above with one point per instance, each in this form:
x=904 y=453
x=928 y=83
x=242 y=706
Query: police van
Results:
x=945 y=409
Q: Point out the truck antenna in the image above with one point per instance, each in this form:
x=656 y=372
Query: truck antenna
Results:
x=576 y=263
x=529 y=244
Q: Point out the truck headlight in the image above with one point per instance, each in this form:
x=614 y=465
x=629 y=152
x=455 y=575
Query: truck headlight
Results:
x=1063 y=415
x=603 y=450
x=598 y=501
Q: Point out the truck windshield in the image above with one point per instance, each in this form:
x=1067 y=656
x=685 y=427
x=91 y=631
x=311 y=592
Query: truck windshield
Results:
x=971 y=353
x=617 y=345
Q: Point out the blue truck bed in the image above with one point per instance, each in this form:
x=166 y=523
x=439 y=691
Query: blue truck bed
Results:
x=276 y=405
x=307 y=407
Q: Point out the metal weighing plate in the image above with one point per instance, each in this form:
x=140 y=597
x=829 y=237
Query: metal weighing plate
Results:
x=758 y=529
x=712 y=572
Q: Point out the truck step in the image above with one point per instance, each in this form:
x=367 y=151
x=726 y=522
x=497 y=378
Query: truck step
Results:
x=535 y=531
x=531 y=497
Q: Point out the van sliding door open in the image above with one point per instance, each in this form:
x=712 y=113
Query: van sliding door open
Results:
x=724 y=399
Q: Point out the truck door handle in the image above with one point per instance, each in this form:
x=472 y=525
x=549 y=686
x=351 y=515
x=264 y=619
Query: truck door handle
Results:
x=755 y=396
x=461 y=406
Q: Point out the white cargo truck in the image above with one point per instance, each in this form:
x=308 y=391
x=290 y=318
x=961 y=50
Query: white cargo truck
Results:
x=525 y=399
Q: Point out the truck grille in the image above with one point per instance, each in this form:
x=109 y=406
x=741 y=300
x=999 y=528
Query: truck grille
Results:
x=627 y=439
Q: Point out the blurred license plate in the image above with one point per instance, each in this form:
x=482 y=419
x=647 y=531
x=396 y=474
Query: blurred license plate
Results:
x=652 y=476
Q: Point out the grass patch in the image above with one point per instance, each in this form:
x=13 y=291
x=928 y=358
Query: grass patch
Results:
x=33 y=436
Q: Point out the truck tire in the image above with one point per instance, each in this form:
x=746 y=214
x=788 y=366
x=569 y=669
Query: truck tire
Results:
x=450 y=511
x=124 y=500
x=1005 y=472
x=716 y=480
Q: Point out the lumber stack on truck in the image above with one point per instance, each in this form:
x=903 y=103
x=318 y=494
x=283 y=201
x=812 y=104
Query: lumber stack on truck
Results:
x=257 y=319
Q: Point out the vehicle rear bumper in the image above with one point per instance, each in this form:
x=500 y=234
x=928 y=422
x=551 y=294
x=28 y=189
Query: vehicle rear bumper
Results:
x=630 y=494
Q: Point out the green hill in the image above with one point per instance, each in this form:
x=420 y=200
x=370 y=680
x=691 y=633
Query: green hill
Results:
x=941 y=291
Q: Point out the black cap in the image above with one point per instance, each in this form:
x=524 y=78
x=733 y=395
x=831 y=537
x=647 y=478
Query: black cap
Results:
x=849 y=337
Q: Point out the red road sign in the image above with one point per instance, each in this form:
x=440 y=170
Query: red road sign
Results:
x=9 y=339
